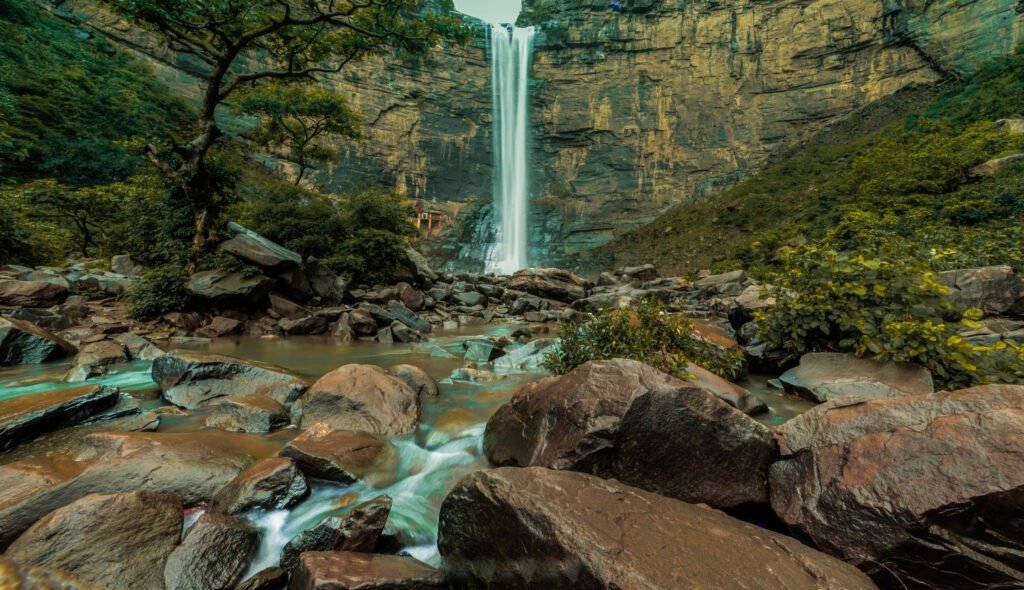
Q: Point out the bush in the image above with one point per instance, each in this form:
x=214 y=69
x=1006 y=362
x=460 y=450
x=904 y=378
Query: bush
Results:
x=884 y=305
x=160 y=291
x=648 y=334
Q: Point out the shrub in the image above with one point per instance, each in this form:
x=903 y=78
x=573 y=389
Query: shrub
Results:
x=648 y=334
x=160 y=291
x=887 y=306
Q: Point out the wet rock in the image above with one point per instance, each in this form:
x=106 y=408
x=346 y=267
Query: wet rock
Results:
x=727 y=391
x=287 y=308
x=550 y=283
x=189 y=379
x=22 y=343
x=307 y=326
x=995 y=290
x=419 y=380
x=358 y=531
x=139 y=348
x=410 y=297
x=19 y=576
x=362 y=397
x=403 y=334
x=253 y=248
x=93 y=360
x=625 y=420
x=823 y=376
x=539 y=528
x=528 y=356
x=482 y=350
x=408 y=317
x=220 y=327
x=32 y=293
x=338 y=455
x=45 y=318
x=223 y=287
x=273 y=578
x=342 y=331
x=361 y=571
x=248 y=413
x=926 y=488
x=117 y=541
x=270 y=484
x=191 y=466
x=470 y=299
x=214 y=554
x=26 y=417
x=471 y=375
x=362 y=323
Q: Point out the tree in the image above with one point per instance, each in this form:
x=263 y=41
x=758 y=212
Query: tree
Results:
x=245 y=43
x=295 y=117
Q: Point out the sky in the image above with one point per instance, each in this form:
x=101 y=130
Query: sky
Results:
x=500 y=11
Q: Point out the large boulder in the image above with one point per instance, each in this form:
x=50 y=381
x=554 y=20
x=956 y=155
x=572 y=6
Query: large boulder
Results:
x=539 y=528
x=550 y=283
x=823 y=376
x=358 y=531
x=326 y=285
x=117 y=541
x=362 y=397
x=626 y=420
x=996 y=290
x=248 y=413
x=420 y=381
x=928 y=489
x=408 y=317
x=191 y=466
x=190 y=379
x=223 y=287
x=270 y=484
x=420 y=266
x=339 y=455
x=214 y=554
x=253 y=248
x=27 y=417
x=95 y=359
x=341 y=570
x=21 y=576
x=22 y=343
x=32 y=293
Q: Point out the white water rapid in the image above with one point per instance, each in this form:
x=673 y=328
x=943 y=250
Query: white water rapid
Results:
x=511 y=49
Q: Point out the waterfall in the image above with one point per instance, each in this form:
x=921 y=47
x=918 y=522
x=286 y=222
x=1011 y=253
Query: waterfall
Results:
x=511 y=48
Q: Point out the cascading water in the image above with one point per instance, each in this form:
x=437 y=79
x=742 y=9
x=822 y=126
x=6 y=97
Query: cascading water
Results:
x=511 y=49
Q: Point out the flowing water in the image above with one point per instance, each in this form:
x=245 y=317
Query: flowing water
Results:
x=511 y=49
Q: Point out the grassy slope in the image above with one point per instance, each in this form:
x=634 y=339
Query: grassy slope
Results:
x=907 y=178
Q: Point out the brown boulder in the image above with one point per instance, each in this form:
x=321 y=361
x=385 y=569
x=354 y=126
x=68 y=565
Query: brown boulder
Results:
x=190 y=379
x=823 y=376
x=270 y=484
x=927 y=488
x=95 y=359
x=419 y=380
x=20 y=576
x=626 y=420
x=22 y=343
x=114 y=541
x=540 y=528
x=32 y=293
x=362 y=323
x=214 y=554
x=27 y=417
x=340 y=570
x=273 y=578
x=248 y=413
x=358 y=531
x=362 y=397
x=551 y=283
x=339 y=455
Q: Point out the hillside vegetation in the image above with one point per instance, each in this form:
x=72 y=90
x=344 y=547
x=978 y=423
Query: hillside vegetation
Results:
x=908 y=181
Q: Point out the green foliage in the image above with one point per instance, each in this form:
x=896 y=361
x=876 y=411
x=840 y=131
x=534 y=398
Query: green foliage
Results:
x=160 y=291
x=364 y=234
x=648 y=334
x=295 y=117
x=882 y=304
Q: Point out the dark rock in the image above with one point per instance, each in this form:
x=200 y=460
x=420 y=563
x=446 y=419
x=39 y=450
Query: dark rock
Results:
x=22 y=343
x=823 y=376
x=189 y=322
x=358 y=531
x=625 y=420
x=32 y=293
x=362 y=397
x=361 y=571
x=287 y=308
x=214 y=554
x=20 y=576
x=342 y=331
x=550 y=283
x=408 y=317
x=728 y=284
x=644 y=273
x=223 y=287
x=248 y=413
x=343 y=456
x=93 y=360
x=255 y=249
x=139 y=348
x=307 y=326
x=362 y=322
x=26 y=417
x=995 y=290
x=113 y=541
x=482 y=350
x=419 y=380
x=927 y=489
x=410 y=297
x=273 y=578
x=44 y=318
x=727 y=391
x=421 y=267
x=221 y=326
x=191 y=466
x=470 y=299
x=402 y=334
x=540 y=528
x=270 y=484
x=326 y=285
x=189 y=379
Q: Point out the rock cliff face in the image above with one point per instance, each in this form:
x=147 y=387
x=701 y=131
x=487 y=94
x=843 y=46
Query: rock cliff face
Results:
x=637 y=110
